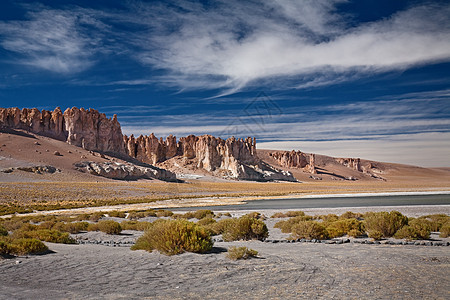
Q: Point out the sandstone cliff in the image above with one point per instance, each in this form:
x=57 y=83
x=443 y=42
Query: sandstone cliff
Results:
x=231 y=158
x=295 y=159
x=84 y=128
x=91 y=130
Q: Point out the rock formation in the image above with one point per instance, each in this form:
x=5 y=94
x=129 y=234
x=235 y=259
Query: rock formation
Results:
x=232 y=158
x=352 y=163
x=91 y=130
x=116 y=170
x=84 y=128
x=295 y=159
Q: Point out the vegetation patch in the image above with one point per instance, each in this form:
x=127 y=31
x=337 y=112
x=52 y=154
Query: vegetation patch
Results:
x=309 y=230
x=236 y=253
x=384 y=224
x=109 y=227
x=174 y=237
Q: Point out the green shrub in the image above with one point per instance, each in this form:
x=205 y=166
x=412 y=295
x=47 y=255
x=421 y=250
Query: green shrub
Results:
x=92 y=227
x=351 y=215
x=3 y=231
x=236 y=253
x=109 y=227
x=286 y=225
x=206 y=221
x=328 y=218
x=415 y=230
x=5 y=247
x=135 y=225
x=445 y=230
x=227 y=214
x=203 y=213
x=384 y=222
x=341 y=227
x=117 y=214
x=375 y=234
x=436 y=221
x=134 y=215
x=289 y=214
x=174 y=237
x=163 y=213
x=71 y=227
x=46 y=235
x=25 y=246
x=309 y=230
x=244 y=228
x=256 y=215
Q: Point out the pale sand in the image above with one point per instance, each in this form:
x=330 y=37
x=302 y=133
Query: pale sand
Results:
x=282 y=271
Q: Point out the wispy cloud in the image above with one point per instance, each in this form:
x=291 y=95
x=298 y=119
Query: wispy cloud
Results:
x=61 y=41
x=235 y=43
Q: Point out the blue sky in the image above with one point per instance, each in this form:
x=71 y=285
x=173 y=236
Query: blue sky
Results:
x=366 y=79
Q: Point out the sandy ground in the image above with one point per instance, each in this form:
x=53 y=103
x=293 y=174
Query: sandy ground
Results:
x=281 y=271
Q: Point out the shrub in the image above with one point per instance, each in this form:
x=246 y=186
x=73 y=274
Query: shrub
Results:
x=3 y=231
x=46 y=235
x=256 y=215
x=384 y=222
x=92 y=227
x=71 y=227
x=174 y=237
x=351 y=215
x=375 y=234
x=203 y=213
x=227 y=214
x=436 y=221
x=328 y=218
x=25 y=246
x=244 y=228
x=286 y=225
x=163 y=213
x=117 y=214
x=135 y=225
x=109 y=227
x=289 y=214
x=338 y=228
x=236 y=253
x=206 y=221
x=5 y=248
x=415 y=230
x=309 y=230
x=445 y=230
x=134 y=215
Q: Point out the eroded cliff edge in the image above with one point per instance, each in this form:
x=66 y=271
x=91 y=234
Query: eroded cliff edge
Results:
x=232 y=158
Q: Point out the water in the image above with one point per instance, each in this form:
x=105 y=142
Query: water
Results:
x=333 y=202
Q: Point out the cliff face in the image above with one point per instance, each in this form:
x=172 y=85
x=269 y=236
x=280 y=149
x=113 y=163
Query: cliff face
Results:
x=295 y=159
x=91 y=130
x=84 y=128
x=233 y=158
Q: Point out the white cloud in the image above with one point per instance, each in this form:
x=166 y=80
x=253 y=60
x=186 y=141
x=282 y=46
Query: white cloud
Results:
x=238 y=43
x=52 y=39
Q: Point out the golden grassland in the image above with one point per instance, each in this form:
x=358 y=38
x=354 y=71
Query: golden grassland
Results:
x=28 y=196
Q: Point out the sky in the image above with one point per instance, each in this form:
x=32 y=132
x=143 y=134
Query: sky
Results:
x=367 y=79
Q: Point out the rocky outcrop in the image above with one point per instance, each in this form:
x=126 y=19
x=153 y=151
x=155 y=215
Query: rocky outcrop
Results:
x=84 y=128
x=231 y=158
x=128 y=171
x=352 y=163
x=295 y=159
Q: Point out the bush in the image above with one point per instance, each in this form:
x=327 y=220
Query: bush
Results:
x=256 y=215
x=328 y=218
x=236 y=253
x=92 y=227
x=436 y=221
x=135 y=225
x=289 y=214
x=117 y=214
x=244 y=228
x=384 y=222
x=203 y=213
x=286 y=225
x=351 y=215
x=109 y=227
x=174 y=237
x=46 y=235
x=309 y=230
x=415 y=230
x=206 y=221
x=3 y=231
x=445 y=230
x=71 y=227
x=341 y=227
x=134 y=215
x=163 y=213
x=25 y=246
